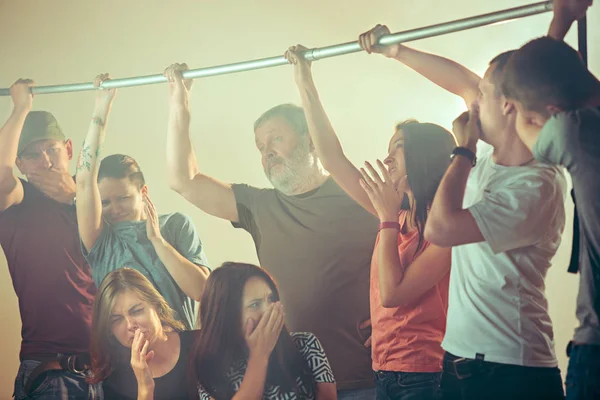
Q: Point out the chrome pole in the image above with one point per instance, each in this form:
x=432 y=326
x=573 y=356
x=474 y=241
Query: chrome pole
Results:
x=312 y=54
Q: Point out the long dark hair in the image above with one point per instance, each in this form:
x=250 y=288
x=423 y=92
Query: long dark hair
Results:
x=105 y=351
x=427 y=149
x=221 y=343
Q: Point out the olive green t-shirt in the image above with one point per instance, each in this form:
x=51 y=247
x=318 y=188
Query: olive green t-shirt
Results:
x=318 y=248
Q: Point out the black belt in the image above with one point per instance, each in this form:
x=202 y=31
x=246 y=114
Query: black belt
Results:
x=572 y=344
x=464 y=368
x=74 y=363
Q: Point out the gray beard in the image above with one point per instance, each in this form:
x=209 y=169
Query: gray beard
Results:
x=301 y=171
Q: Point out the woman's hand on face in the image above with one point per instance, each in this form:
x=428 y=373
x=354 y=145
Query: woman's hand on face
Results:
x=261 y=338
x=152 y=223
x=140 y=357
x=381 y=191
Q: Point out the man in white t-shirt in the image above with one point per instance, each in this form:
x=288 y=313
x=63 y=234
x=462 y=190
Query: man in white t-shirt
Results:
x=505 y=221
x=558 y=107
x=503 y=214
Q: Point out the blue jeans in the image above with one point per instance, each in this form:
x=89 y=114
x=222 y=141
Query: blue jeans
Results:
x=493 y=381
x=583 y=373
x=407 y=385
x=59 y=385
x=356 y=394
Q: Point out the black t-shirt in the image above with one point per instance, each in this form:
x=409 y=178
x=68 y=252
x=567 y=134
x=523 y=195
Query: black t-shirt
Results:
x=122 y=385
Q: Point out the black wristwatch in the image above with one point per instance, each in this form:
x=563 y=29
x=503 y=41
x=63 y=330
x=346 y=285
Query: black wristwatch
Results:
x=465 y=152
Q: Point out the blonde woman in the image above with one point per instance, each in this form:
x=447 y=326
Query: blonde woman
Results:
x=139 y=350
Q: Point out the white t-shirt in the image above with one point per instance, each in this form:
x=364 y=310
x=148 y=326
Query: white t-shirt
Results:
x=497 y=305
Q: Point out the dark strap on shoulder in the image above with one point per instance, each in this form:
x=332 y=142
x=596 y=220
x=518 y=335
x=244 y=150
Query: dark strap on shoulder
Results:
x=574 y=263
x=582 y=39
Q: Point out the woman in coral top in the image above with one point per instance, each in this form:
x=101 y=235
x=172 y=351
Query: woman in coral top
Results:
x=409 y=276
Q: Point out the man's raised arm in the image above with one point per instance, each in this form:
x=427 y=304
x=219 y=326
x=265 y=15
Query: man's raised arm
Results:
x=445 y=73
x=565 y=13
x=11 y=189
x=206 y=193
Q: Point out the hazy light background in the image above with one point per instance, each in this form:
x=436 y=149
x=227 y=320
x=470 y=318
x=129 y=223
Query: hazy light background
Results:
x=63 y=41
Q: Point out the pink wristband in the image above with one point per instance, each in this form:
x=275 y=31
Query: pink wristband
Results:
x=389 y=225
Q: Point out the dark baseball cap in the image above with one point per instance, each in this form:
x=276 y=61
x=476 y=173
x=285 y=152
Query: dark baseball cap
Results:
x=39 y=125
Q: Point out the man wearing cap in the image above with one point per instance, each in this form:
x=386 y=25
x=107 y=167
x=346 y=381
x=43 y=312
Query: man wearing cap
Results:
x=38 y=233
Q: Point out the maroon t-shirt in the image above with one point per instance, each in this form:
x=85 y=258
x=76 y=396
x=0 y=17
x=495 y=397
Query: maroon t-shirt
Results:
x=51 y=278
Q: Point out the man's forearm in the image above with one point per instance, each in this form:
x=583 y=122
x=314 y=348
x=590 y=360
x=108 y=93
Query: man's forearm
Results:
x=447 y=74
x=181 y=160
x=449 y=196
x=559 y=26
x=9 y=143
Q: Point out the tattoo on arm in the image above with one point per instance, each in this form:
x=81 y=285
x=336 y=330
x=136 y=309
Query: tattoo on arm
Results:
x=98 y=121
x=85 y=158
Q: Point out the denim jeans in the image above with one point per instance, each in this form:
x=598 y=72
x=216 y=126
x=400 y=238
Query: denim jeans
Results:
x=491 y=381
x=583 y=373
x=356 y=394
x=58 y=385
x=407 y=385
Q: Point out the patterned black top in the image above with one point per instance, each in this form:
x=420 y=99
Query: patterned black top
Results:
x=312 y=351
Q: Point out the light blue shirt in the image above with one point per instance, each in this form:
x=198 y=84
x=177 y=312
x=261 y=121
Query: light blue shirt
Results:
x=126 y=244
